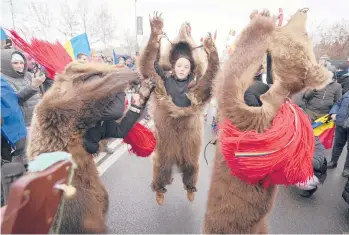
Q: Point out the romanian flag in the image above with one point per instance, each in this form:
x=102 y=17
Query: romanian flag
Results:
x=78 y=44
x=324 y=129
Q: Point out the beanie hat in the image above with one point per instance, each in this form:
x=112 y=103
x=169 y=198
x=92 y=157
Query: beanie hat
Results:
x=16 y=57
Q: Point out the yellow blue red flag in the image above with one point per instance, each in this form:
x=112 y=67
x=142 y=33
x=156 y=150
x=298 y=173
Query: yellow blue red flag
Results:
x=78 y=44
x=324 y=128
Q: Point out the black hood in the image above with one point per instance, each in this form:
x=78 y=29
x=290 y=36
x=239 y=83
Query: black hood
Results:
x=6 y=67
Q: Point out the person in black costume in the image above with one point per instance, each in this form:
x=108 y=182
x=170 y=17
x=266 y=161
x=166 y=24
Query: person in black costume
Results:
x=107 y=127
x=181 y=79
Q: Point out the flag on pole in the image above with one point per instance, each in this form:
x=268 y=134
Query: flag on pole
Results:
x=78 y=44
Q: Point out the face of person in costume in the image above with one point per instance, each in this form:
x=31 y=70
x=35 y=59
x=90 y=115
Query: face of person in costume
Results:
x=182 y=68
x=17 y=63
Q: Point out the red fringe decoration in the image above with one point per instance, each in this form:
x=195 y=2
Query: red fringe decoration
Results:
x=281 y=155
x=52 y=56
x=141 y=139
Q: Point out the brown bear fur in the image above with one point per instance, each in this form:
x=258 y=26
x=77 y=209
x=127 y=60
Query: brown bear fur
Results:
x=178 y=130
x=77 y=98
x=234 y=206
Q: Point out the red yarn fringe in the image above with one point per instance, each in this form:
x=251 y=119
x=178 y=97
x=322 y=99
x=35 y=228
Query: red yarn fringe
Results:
x=141 y=139
x=52 y=56
x=281 y=155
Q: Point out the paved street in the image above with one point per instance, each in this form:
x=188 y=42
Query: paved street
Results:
x=133 y=208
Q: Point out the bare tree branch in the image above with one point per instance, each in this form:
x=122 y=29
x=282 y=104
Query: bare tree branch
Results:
x=70 y=24
x=130 y=41
x=104 y=27
x=334 y=40
x=83 y=14
x=42 y=17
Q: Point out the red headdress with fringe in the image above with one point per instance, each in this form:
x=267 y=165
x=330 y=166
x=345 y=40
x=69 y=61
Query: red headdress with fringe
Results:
x=281 y=155
x=54 y=58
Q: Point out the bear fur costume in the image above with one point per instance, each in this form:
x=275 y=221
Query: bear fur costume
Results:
x=75 y=100
x=233 y=205
x=178 y=130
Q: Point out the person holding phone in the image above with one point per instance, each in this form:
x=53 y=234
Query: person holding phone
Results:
x=14 y=69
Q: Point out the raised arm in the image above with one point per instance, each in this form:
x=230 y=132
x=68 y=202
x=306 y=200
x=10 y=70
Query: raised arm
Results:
x=157 y=67
x=148 y=56
x=202 y=92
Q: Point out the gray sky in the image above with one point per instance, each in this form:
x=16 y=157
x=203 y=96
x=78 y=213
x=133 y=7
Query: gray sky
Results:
x=204 y=15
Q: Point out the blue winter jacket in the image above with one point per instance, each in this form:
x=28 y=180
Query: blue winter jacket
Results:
x=341 y=109
x=12 y=124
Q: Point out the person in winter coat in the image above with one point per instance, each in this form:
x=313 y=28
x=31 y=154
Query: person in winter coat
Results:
x=320 y=171
x=13 y=130
x=340 y=113
x=107 y=127
x=14 y=69
x=319 y=102
x=343 y=76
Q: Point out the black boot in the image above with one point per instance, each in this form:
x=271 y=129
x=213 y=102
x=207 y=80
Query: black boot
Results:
x=345 y=172
x=308 y=193
x=331 y=165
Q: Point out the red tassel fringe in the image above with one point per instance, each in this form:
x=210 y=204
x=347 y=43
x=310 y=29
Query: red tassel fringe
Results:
x=52 y=56
x=281 y=155
x=141 y=139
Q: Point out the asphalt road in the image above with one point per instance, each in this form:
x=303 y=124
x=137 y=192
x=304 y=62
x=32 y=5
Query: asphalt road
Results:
x=133 y=208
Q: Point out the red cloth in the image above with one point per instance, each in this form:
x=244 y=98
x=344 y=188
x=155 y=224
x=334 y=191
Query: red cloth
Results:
x=327 y=137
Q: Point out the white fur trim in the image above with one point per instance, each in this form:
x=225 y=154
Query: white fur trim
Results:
x=310 y=184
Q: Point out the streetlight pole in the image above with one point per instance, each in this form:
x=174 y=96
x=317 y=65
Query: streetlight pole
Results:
x=13 y=18
x=136 y=45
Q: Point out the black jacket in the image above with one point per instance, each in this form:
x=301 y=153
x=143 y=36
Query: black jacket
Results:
x=319 y=161
x=107 y=127
x=175 y=88
x=115 y=109
x=253 y=93
x=344 y=81
x=321 y=101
